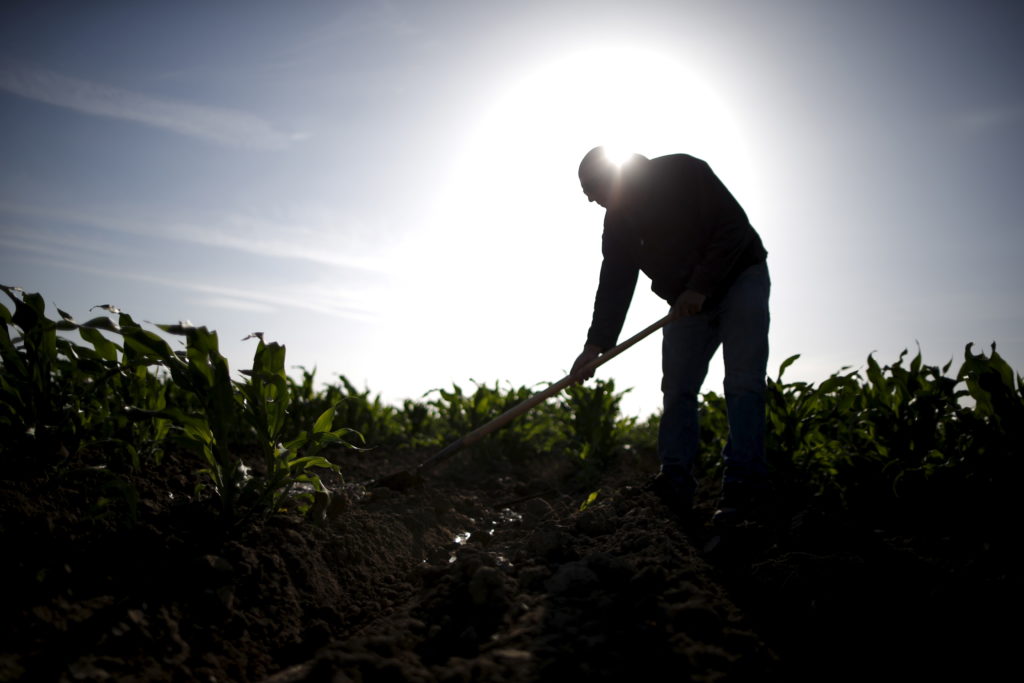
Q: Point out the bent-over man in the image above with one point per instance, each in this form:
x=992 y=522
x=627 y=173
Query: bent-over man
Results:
x=672 y=218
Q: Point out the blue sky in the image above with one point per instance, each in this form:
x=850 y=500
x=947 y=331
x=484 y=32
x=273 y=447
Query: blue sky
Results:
x=388 y=188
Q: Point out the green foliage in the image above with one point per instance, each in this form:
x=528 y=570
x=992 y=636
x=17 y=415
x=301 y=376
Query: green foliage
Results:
x=590 y=500
x=378 y=424
x=596 y=427
x=60 y=398
x=583 y=422
x=873 y=438
x=714 y=423
x=38 y=369
x=457 y=413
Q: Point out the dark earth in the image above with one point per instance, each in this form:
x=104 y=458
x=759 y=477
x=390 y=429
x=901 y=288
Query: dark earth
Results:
x=486 y=571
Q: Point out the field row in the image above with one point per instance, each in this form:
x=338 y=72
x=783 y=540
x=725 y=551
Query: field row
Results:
x=116 y=395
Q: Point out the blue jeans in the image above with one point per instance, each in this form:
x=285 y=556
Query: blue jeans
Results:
x=738 y=322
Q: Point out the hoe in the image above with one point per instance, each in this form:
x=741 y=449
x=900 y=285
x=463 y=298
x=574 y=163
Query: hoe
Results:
x=408 y=478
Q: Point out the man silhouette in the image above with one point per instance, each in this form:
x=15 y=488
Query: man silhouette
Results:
x=672 y=218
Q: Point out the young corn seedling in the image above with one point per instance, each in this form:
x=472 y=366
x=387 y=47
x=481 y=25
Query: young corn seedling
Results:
x=264 y=399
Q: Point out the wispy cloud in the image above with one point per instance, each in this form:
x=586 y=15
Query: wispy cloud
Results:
x=337 y=296
x=317 y=238
x=349 y=304
x=234 y=304
x=223 y=126
x=52 y=242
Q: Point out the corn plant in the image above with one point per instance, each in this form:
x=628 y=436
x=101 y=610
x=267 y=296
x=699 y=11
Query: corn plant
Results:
x=413 y=425
x=37 y=377
x=596 y=426
x=62 y=397
x=56 y=396
x=376 y=421
x=261 y=402
x=459 y=413
x=420 y=424
x=881 y=438
x=265 y=400
x=713 y=434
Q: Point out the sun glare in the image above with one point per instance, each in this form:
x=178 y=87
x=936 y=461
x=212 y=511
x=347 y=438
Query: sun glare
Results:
x=520 y=161
x=511 y=212
x=630 y=100
x=618 y=155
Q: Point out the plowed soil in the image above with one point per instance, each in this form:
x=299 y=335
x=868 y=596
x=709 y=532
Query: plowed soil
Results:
x=485 y=571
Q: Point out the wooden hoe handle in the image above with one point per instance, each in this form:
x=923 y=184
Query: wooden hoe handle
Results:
x=517 y=410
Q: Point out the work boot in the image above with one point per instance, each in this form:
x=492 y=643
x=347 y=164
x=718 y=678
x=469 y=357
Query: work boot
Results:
x=744 y=502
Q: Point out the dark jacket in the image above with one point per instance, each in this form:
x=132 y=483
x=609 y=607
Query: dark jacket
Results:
x=678 y=224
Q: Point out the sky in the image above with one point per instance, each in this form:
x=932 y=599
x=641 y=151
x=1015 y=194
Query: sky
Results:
x=389 y=188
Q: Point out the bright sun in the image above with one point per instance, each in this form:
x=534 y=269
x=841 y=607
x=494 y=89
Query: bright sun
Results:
x=514 y=179
x=520 y=243
x=617 y=155
x=630 y=100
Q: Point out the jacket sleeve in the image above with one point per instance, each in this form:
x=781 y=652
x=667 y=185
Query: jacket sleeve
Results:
x=615 y=288
x=727 y=236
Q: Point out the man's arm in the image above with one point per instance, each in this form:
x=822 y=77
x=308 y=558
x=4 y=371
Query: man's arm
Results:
x=614 y=291
x=590 y=352
x=614 y=294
